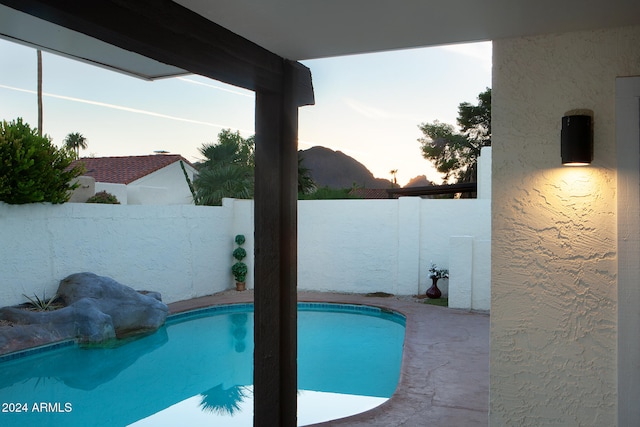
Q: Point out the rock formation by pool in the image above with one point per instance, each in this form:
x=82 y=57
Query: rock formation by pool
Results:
x=95 y=309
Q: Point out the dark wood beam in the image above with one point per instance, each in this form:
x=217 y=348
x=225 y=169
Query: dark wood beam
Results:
x=467 y=187
x=169 y=33
x=275 y=329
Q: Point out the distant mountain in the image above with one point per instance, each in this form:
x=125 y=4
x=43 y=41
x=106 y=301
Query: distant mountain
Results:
x=335 y=169
x=419 y=181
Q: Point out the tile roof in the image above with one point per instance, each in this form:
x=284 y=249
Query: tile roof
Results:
x=126 y=169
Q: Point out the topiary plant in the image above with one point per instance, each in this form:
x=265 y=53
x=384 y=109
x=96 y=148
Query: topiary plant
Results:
x=239 y=254
x=103 y=197
x=32 y=169
x=239 y=269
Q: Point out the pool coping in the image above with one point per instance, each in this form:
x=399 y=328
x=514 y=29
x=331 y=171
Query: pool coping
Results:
x=444 y=378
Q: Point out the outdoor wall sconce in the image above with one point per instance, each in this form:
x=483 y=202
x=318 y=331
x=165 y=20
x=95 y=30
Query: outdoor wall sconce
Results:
x=576 y=140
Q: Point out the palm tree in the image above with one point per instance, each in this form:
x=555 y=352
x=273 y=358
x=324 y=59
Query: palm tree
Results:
x=394 y=181
x=227 y=170
x=39 y=55
x=75 y=141
x=221 y=401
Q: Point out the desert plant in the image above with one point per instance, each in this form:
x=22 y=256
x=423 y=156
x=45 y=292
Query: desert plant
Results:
x=103 y=197
x=32 y=169
x=41 y=304
x=192 y=189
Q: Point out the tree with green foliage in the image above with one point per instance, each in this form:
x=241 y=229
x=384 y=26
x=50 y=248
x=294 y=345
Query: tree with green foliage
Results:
x=455 y=154
x=103 y=197
x=328 y=193
x=74 y=142
x=227 y=170
x=305 y=181
x=32 y=169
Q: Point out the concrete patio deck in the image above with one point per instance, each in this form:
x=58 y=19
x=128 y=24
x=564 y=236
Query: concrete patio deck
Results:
x=444 y=379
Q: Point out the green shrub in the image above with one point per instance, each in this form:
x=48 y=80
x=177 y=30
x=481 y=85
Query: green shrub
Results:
x=32 y=169
x=327 y=193
x=239 y=270
x=239 y=253
x=103 y=197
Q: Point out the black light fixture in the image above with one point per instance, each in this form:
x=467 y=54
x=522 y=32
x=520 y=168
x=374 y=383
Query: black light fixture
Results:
x=576 y=140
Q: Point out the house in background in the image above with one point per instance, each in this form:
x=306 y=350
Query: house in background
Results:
x=139 y=180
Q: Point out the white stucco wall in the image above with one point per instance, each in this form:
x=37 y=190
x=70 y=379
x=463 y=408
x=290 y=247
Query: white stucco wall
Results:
x=484 y=173
x=163 y=248
x=553 y=317
x=185 y=251
x=166 y=186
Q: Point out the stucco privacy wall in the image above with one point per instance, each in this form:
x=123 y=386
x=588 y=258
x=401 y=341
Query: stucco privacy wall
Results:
x=553 y=319
x=185 y=251
x=385 y=245
x=172 y=249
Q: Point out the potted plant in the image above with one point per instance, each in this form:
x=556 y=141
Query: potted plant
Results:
x=239 y=269
x=436 y=273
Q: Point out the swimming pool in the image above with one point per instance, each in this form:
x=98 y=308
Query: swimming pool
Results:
x=198 y=369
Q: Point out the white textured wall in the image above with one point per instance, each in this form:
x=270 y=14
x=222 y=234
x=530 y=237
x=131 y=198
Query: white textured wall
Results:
x=484 y=173
x=353 y=245
x=553 y=317
x=166 y=186
x=387 y=245
x=177 y=250
x=185 y=251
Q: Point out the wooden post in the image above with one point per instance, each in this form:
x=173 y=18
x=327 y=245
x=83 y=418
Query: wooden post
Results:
x=275 y=355
x=170 y=33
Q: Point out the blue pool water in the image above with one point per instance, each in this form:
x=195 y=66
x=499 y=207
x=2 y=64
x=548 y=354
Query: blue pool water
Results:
x=198 y=370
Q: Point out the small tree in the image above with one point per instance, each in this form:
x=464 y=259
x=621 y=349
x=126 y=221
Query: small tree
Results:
x=455 y=154
x=32 y=169
x=228 y=171
x=306 y=185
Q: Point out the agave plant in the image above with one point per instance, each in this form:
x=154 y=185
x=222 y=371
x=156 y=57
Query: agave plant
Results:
x=41 y=304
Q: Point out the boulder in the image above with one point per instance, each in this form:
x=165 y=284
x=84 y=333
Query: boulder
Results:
x=96 y=309
x=131 y=311
x=83 y=320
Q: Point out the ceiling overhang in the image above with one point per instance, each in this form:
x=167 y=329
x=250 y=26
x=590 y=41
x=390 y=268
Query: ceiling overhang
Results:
x=311 y=29
x=29 y=30
x=151 y=39
x=243 y=42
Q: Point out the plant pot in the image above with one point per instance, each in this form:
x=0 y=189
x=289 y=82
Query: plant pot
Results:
x=241 y=286
x=433 y=292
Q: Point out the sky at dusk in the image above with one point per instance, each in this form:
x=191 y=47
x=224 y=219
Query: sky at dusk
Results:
x=367 y=106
